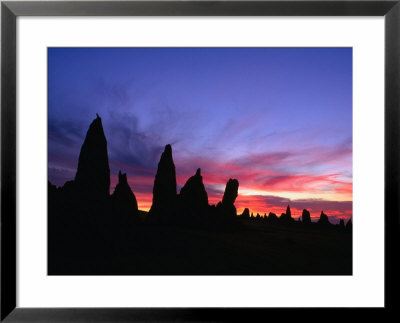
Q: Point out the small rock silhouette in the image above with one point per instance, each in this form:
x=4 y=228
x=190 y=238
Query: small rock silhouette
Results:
x=193 y=196
x=123 y=200
x=245 y=214
x=227 y=208
x=323 y=219
x=349 y=225
x=306 y=217
x=272 y=217
x=286 y=217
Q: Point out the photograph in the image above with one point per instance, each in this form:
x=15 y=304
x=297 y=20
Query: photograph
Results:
x=200 y=161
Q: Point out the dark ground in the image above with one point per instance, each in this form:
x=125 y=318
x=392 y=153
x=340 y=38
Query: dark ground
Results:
x=251 y=249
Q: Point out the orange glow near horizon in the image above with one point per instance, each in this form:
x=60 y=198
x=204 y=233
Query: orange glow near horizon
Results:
x=257 y=203
x=260 y=191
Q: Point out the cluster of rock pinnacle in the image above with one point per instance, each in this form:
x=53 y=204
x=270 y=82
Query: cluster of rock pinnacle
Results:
x=89 y=191
x=90 y=188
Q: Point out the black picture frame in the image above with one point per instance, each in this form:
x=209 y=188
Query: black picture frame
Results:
x=10 y=10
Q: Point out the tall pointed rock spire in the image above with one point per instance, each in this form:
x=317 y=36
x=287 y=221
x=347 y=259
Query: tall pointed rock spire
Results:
x=288 y=212
x=287 y=217
x=92 y=178
x=164 y=190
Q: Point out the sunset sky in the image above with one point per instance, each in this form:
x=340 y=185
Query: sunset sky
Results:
x=277 y=119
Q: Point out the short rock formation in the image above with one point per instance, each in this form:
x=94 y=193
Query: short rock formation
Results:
x=245 y=214
x=306 y=217
x=349 y=225
x=193 y=198
x=272 y=217
x=123 y=200
x=323 y=219
x=226 y=208
x=286 y=217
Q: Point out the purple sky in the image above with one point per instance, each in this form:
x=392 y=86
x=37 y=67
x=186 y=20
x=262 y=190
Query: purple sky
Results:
x=277 y=119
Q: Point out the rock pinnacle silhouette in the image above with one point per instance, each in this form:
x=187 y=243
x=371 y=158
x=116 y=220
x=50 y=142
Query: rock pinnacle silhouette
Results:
x=272 y=217
x=123 y=200
x=323 y=219
x=227 y=207
x=286 y=217
x=349 y=225
x=164 y=189
x=305 y=217
x=193 y=195
x=92 y=179
x=245 y=214
x=288 y=213
x=231 y=192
